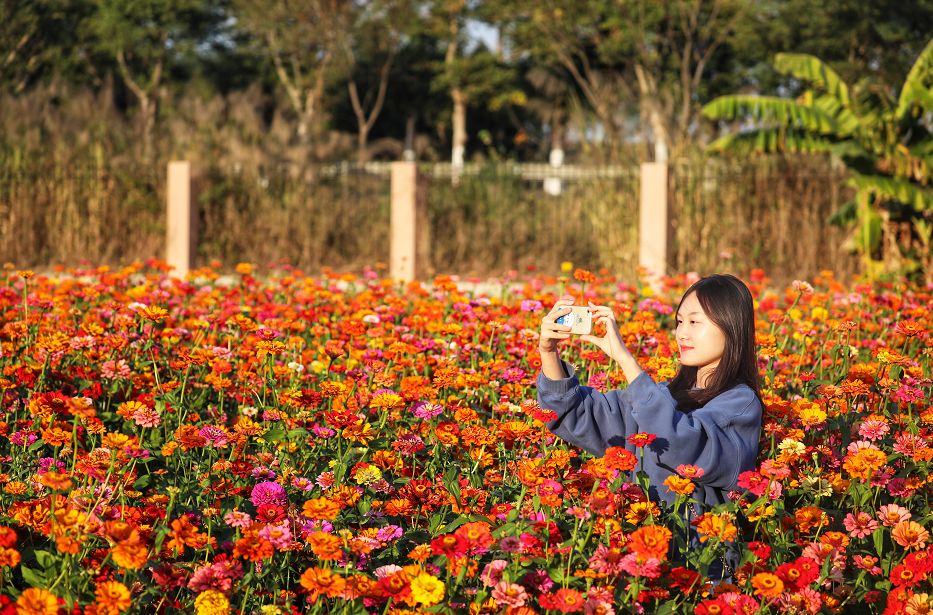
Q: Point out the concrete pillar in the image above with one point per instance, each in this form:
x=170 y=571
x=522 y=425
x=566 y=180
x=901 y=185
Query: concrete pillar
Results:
x=181 y=225
x=403 y=244
x=653 y=221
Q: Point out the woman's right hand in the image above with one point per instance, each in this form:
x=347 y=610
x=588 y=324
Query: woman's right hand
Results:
x=551 y=332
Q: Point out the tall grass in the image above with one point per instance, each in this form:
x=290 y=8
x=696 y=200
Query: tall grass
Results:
x=768 y=213
x=495 y=221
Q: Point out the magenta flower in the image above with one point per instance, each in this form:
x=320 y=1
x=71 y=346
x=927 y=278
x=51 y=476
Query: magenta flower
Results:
x=268 y=493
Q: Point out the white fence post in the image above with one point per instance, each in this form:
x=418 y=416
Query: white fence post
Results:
x=403 y=245
x=653 y=221
x=181 y=229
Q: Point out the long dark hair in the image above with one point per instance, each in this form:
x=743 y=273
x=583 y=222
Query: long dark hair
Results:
x=728 y=303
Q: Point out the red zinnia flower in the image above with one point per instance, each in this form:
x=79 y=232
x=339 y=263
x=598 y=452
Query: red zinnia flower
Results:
x=450 y=545
x=641 y=439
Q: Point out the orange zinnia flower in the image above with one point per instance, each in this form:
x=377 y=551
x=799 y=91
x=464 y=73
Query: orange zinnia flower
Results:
x=322 y=581
x=323 y=509
x=650 y=541
x=131 y=553
x=678 y=485
x=583 y=275
x=325 y=546
x=184 y=534
x=9 y=557
x=910 y=535
x=639 y=511
x=619 y=458
x=715 y=526
x=767 y=585
x=253 y=548
x=810 y=517
x=112 y=598
x=35 y=601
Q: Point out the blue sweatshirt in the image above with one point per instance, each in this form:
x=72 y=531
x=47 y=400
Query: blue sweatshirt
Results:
x=720 y=437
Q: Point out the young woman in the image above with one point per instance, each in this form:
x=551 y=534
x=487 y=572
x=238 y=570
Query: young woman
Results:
x=708 y=416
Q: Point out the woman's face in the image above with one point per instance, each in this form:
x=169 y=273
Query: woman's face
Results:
x=700 y=340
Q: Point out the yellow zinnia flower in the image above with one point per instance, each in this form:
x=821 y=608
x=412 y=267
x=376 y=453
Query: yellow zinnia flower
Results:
x=211 y=602
x=426 y=590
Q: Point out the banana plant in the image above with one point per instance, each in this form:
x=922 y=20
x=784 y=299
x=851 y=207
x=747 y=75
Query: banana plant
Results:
x=884 y=141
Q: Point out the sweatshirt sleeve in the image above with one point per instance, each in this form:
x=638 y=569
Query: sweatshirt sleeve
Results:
x=721 y=437
x=586 y=417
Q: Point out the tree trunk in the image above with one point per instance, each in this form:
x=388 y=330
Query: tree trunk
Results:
x=362 y=152
x=651 y=106
x=147 y=120
x=147 y=99
x=458 y=149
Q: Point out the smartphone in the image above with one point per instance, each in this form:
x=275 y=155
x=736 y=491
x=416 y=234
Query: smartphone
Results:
x=579 y=320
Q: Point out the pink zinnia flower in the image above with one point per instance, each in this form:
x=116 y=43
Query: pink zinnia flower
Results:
x=492 y=573
x=530 y=305
x=867 y=563
x=427 y=410
x=383 y=571
x=389 y=533
x=115 y=369
x=687 y=470
x=740 y=603
x=774 y=469
x=238 y=519
x=598 y=607
x=278 y=534
x=509 y=594
x=268 y=493
x=858 y=445
x=598 y=380
x=146 y=417
x=607 y=561
x=209 y=577
x=892 y=514
x=873 y=429
x=302 y=483
x=907 y=443
x=860 y=524
x=216 y=436
x=636 y=566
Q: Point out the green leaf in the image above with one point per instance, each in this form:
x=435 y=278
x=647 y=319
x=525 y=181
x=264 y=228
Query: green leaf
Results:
x=813 y=71
x=765 y=140
x=142 y=482
x=877 y=539
x=45 y=559
x=772 y=110
x=274 y=435
x=887 y=189
x=916 y=87
x=33 y=578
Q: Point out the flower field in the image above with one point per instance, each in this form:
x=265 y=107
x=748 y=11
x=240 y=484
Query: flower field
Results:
x=344 y=444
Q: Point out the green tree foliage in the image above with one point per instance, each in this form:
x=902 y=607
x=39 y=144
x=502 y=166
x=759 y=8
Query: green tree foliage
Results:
x=144 y=37
x=878 y=39
x=882 y=136
x=306 y=43
x=39 y=39
x=631 y=57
